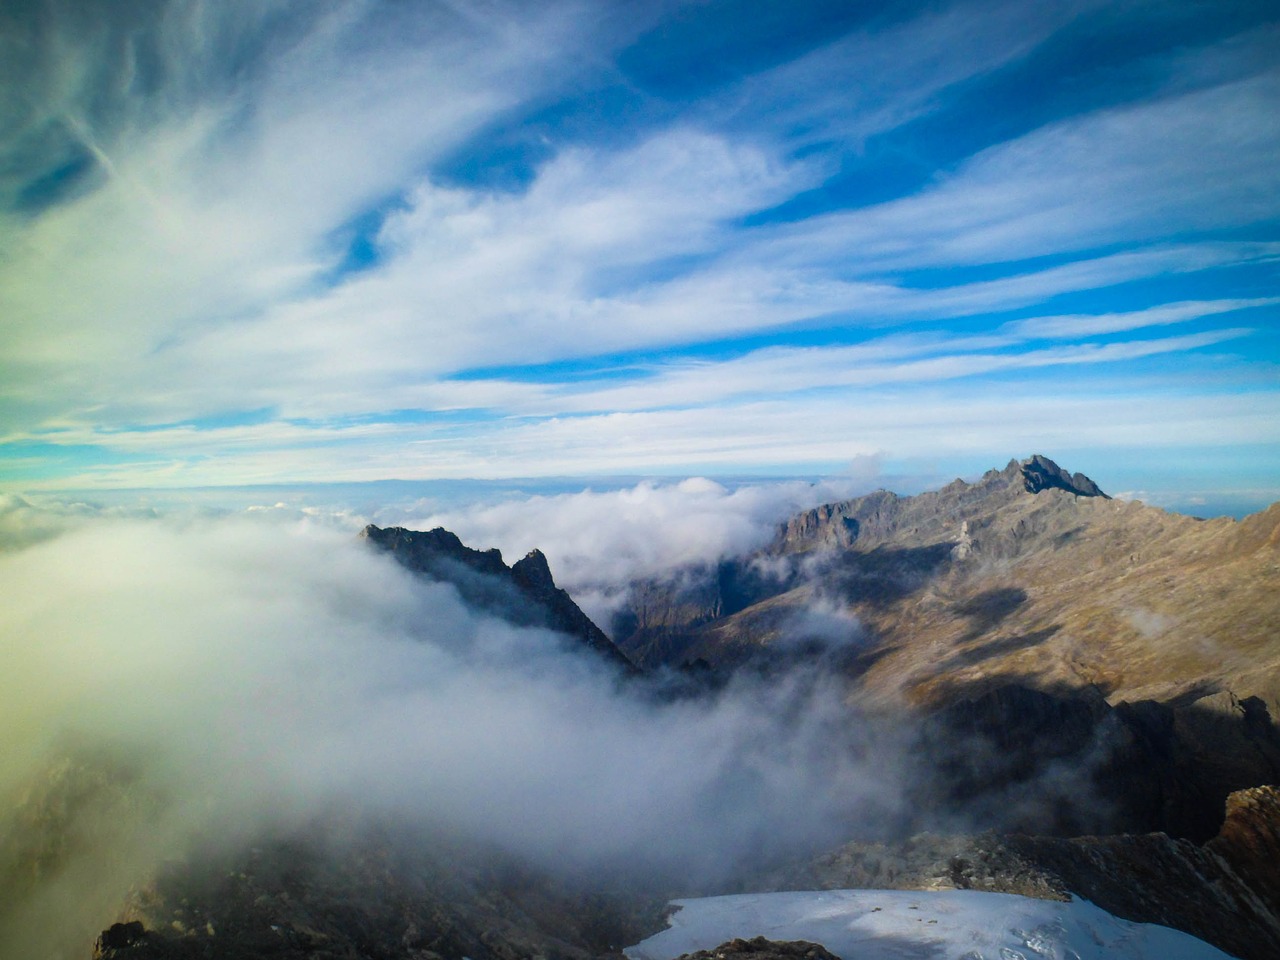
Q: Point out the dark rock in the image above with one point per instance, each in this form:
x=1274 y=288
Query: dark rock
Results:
x=119 y=936
x=381 y=895
x=525 y=594
x=1250 y=841
x=1153 y=878
x=1041 y=473
x=533 y=573
x=760 y=948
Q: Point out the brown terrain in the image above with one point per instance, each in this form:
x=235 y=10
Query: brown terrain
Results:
x=1027 y=576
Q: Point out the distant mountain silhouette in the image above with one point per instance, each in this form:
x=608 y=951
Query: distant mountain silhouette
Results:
x=525 y=593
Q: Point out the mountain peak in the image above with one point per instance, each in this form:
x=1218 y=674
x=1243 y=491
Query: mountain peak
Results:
x=534 y=572
x=1040 y=473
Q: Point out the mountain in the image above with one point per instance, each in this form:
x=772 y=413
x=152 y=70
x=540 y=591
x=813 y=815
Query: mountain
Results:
x=1030 y=574
x=524 y=594
x=1035 y=624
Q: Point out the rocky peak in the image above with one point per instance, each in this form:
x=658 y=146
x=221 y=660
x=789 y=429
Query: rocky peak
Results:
x=424 y=551
x=1038 y=473
x=524 y=594
x=534 y=572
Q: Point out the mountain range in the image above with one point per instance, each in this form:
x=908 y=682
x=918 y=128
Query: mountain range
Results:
x=1081 y=690
x=1030 y=574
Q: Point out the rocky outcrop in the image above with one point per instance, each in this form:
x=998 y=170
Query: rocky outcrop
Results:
x=1041 y=473
x=524 y=594
x=118 y=937
x=1250 y=841
x=378 y=897
x=759 y=948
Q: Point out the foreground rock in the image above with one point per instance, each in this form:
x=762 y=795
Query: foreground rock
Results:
x=381 y=898
x=1223 y=892
x=758 y=948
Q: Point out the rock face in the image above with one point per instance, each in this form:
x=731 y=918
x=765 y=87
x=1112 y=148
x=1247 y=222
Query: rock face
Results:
x=524 y=594
x=1041 y=473
x=1250 y=841
x=1067 y=763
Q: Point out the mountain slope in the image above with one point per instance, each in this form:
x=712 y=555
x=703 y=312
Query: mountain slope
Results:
x=1075 y=664
x=1029 y=575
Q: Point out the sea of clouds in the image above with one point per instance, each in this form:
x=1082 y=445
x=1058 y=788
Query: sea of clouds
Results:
x=247 y=673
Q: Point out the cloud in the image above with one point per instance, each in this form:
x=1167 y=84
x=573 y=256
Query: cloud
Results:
x=1083 y=325
x=255 y=676
x=254 y=235
x=880 y=78
x=1196 y=161
x=482 y=279
x=237 y=187
x=598 y=543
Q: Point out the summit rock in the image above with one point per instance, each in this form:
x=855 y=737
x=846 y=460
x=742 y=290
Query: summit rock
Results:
x=1041 y=473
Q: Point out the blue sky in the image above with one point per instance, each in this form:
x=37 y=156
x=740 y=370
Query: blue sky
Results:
x=290 y=243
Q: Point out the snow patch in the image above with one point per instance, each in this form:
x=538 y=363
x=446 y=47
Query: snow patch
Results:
x=922 y=925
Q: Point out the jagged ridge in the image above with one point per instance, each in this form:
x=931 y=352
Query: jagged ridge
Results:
x=525 y=593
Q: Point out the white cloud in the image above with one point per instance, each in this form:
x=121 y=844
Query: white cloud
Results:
x=780 y=371
x=258 y=675
x=1198 y=161
x=597 y=543
x=1085 y=325
x=214 y=209
x=875 y=80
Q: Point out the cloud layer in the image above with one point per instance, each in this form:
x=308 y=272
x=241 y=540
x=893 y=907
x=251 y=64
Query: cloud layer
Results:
x=254 y=675
x=355 y=241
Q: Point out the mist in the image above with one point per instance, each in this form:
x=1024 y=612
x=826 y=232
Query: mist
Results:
x=600 y=542
x=238 y=677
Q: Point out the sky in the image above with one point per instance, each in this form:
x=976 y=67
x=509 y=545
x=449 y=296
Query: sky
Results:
x=248 y=243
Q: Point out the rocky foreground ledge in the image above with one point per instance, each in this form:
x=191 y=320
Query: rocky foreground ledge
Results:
x=1226 y=891
x=290 y=902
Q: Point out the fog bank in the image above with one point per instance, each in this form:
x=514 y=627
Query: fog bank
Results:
x=235 y=676
x=599 y=542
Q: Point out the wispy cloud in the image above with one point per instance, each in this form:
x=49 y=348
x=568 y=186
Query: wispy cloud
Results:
x=215 y=211
x=1083 y=325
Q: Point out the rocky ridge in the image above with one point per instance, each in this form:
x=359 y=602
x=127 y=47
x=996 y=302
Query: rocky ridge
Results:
x=524 y=594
